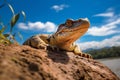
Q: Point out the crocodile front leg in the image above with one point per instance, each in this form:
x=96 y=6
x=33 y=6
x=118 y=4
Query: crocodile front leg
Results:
x=37 y=41
x=77 y=51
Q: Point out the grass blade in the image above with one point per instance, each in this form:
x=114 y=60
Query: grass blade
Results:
x=6 y=35
x=3 y=28
x=14 y=20
x=24 y=15
x=19 y=34
x=11 y=8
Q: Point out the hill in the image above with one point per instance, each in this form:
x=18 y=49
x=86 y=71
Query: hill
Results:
x=26 y=63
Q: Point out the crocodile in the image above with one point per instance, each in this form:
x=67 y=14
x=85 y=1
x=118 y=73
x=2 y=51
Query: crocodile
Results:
x=64 y=38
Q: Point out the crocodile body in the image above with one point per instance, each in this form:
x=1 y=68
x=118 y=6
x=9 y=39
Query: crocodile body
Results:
x=64 y=38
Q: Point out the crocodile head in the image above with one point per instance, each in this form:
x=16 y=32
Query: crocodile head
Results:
x=71 y=30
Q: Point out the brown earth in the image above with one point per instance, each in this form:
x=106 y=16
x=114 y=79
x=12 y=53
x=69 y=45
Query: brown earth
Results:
x=26 y=63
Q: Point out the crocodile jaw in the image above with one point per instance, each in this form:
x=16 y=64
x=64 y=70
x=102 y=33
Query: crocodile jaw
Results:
x=72 y=33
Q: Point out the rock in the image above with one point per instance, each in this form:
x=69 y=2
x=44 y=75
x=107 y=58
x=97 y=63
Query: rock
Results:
x=26 y=63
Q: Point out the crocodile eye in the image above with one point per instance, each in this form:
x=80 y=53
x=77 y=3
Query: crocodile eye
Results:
x=79 y=20
x=60 y=26
x=69 y=23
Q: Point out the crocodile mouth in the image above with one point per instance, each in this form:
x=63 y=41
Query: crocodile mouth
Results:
x=77 y=27
x=70 y=32
x=70 y=27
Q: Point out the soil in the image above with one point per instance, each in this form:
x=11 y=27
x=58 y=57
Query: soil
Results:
x=26 y=63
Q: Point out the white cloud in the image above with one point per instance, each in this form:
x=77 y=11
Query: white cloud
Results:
x=104 y=30
x=110 y=9
x=48 y=26
x=58 y=8
x=114 y=41
x=111 y=26
x=107 y=14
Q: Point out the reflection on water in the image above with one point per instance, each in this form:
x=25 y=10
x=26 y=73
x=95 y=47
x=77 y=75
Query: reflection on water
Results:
x=113 y=64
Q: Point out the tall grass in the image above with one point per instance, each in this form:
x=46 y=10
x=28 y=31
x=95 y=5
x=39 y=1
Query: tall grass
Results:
x=8 y=38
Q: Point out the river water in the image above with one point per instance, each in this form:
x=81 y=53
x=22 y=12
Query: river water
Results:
x=113 y=64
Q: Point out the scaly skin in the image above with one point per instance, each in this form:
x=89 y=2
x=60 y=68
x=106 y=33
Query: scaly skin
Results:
x=64 y=38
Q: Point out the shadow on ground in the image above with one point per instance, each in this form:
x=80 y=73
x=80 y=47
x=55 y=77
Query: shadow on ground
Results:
x=53 y=55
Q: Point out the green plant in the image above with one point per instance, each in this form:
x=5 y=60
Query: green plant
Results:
x=8 y=38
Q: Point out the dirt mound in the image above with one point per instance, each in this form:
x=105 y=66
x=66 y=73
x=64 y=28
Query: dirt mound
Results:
x=26 y=63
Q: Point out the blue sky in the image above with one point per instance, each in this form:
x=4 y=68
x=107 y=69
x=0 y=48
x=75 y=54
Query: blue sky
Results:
x=43 y=16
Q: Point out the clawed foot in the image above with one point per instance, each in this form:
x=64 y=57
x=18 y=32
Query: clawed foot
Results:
x=84 y=55
x=42 y=46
